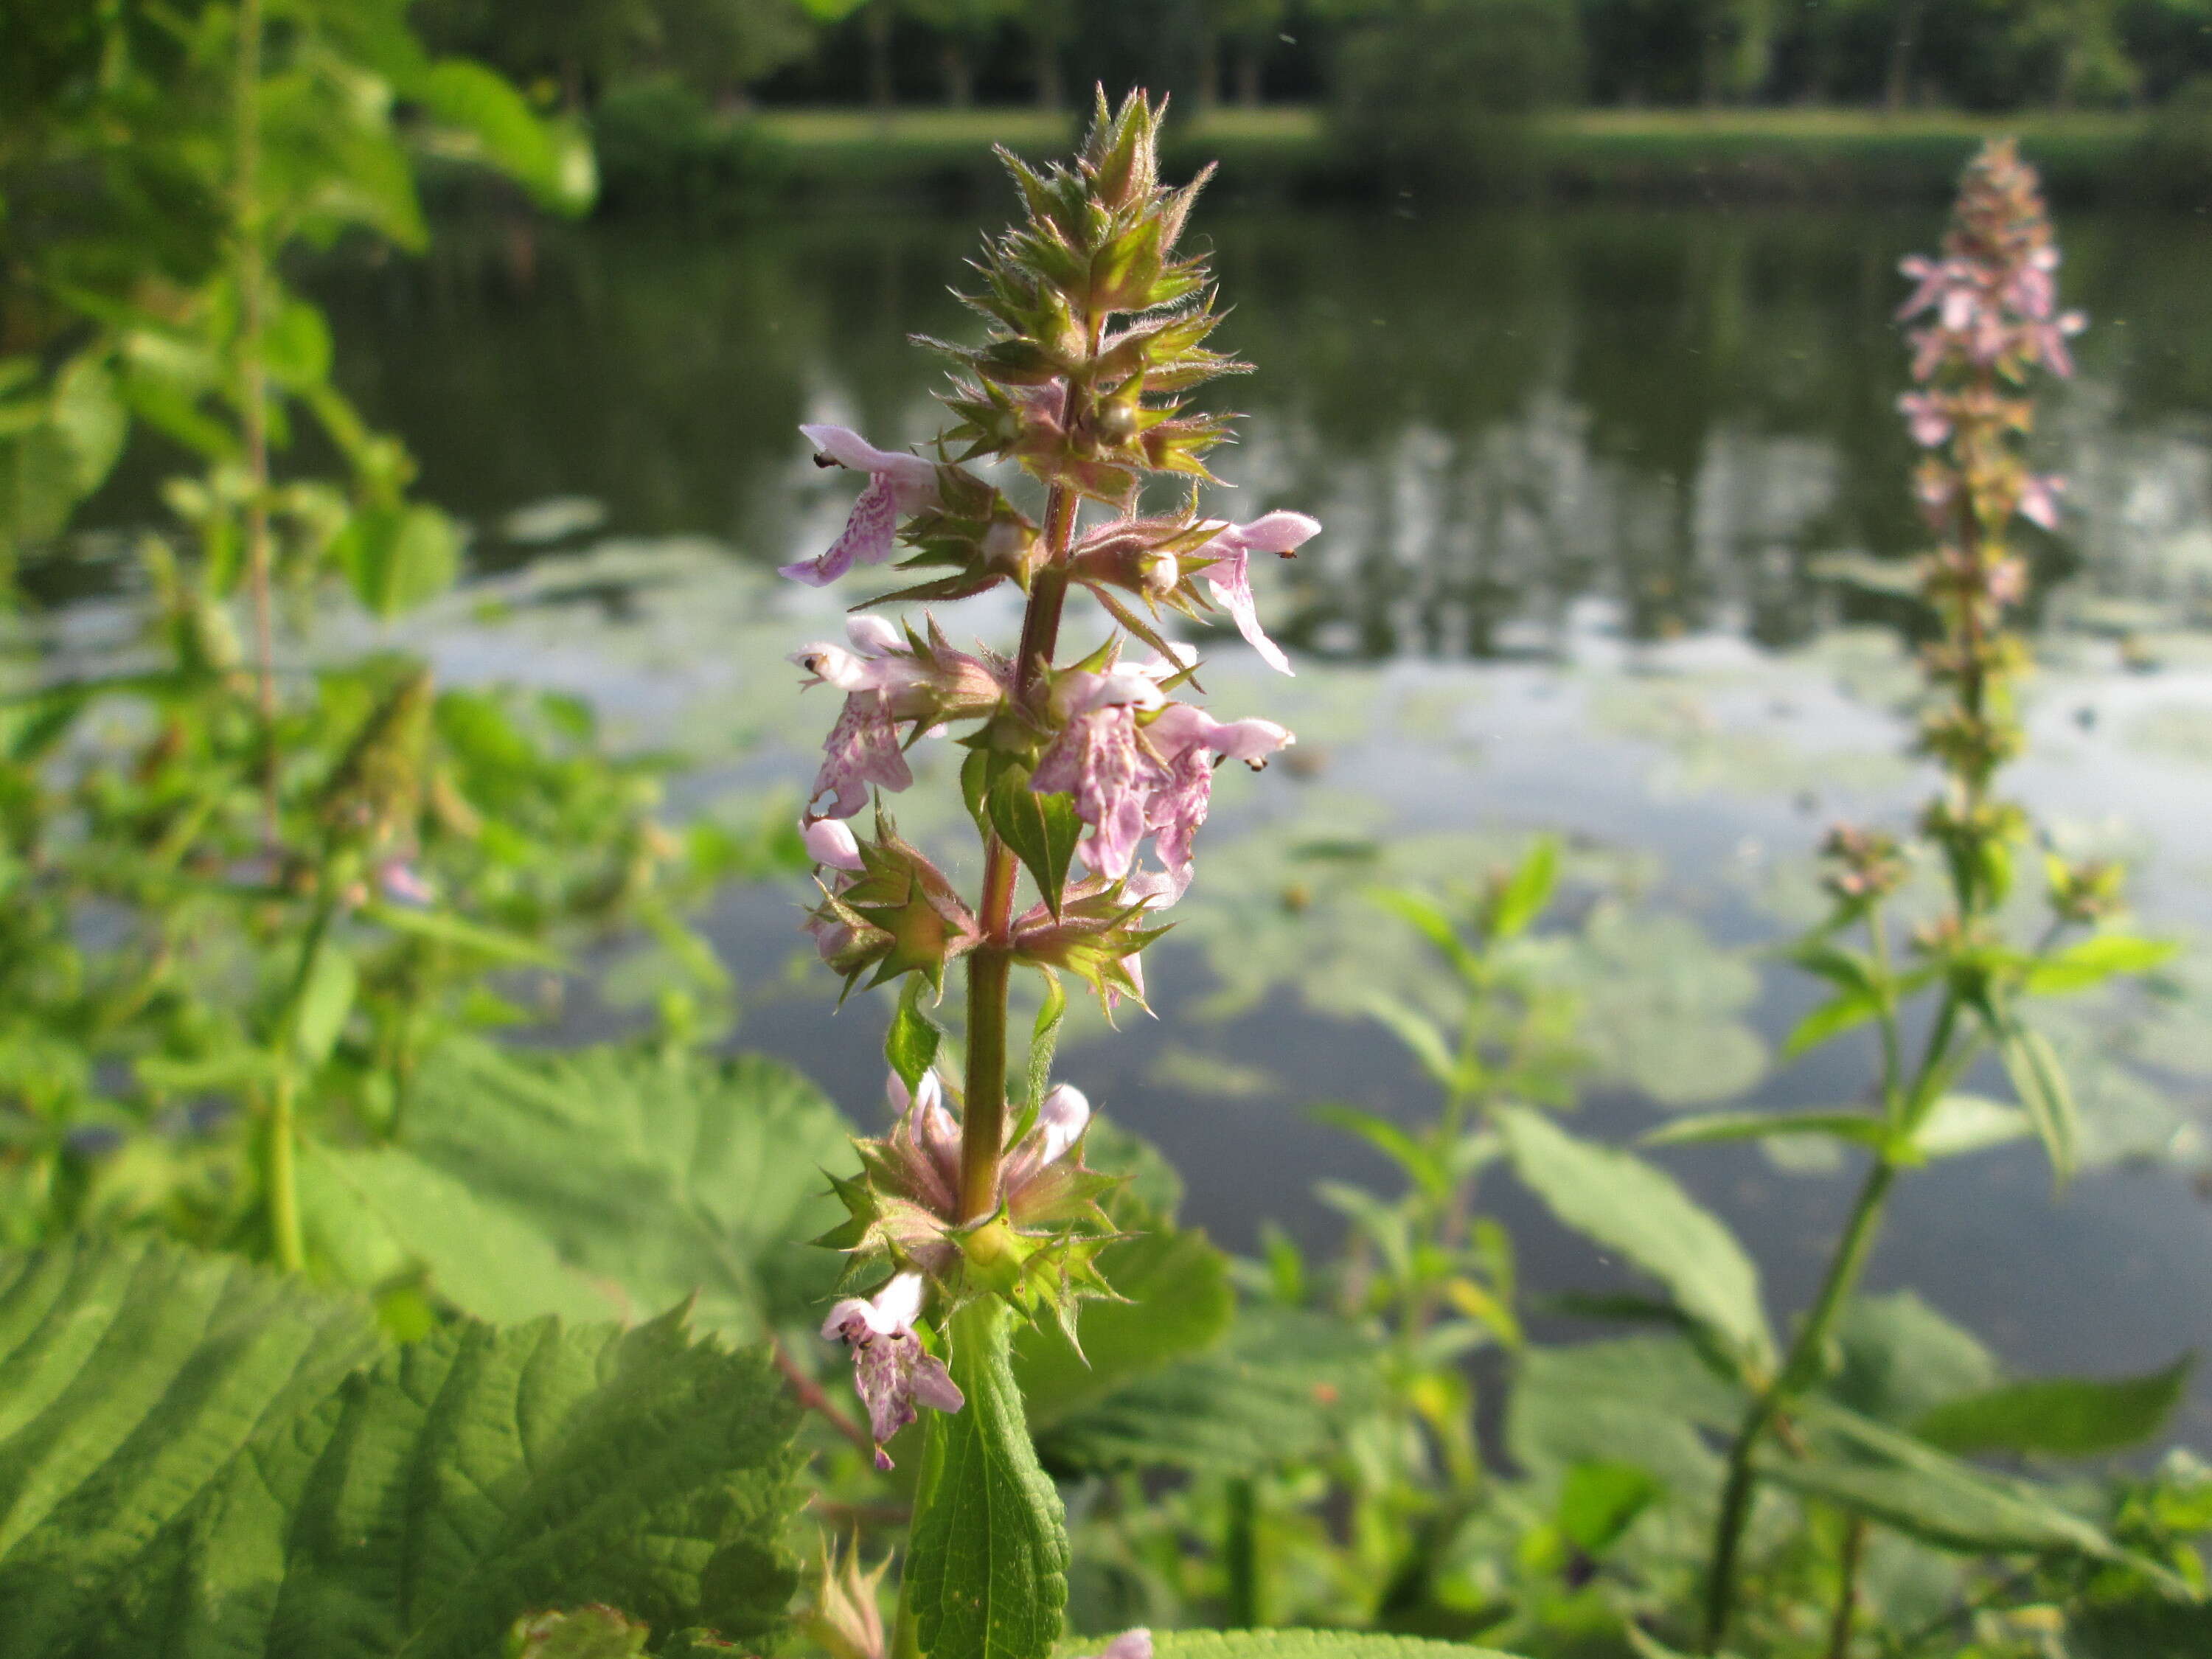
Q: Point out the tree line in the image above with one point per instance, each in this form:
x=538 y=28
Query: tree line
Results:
x=1895 y=54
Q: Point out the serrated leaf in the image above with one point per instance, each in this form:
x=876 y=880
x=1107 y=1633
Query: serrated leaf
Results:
x=2060 y=1416
x=1041 y=829
x=133 y=1375
x=659 y=1177
x=987 y=1565
x=1638 y=1209
x=374 y=1215
x=193 y=1464
x=1274 y=1392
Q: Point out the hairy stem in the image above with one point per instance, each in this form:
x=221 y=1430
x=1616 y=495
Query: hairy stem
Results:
x=253 y=274
x=990 y=965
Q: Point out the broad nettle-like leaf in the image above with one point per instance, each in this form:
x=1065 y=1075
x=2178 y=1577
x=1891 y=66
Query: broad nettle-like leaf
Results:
x=986 y=1567
x=197 y=1461
x=1276 y=1391
x=1301 y=1644
x=654 y=1176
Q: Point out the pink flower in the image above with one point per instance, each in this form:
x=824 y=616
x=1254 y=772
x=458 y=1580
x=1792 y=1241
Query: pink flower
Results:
x=892 y=1370
x=1061 y=1118
x=831 y=841
x=1187 y=741
x=897 y=483
x=862 y=748
x=884 y=682
x=2039 y=499
x=1928 y=416
x=1129 y=1644
x=1229 y=576
x=1096 y=758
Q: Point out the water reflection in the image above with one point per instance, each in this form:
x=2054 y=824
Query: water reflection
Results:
x=1685 y=412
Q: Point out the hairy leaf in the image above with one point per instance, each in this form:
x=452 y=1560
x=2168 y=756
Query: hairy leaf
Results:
x=987 y=1568
x=661 y=1177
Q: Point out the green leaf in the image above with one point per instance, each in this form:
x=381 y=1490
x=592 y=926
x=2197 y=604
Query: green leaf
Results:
x=986 y=1567
x=1639 y=1210
x=1275 y=1392
x=132 y=1376
x=1831 y=1018
x=1044 y=1039
x=586 y=1633
x=188 y=1468
x=1420 y=1034
x=910 y=1043
x=1041 y=829
x=659 y=1177
x=1524 y=897
x=2040 y=1083
x=1857 y=1127
x=325 y=999
x=1430 y=920
x=2092 y=962
x=495 y=125
x=376 y=1216
x=1901 y=1357
x=1179 y=1302
x=1599 y=1500
x=1387 y=1138
x=396 y=557
x=2141 y=1628
x=1303 y=1644
x=443 y=927
x=1649 y=1400
x=1926 y=1494
x=297 y=345
x=1957 y=1124
x=2063 y=1417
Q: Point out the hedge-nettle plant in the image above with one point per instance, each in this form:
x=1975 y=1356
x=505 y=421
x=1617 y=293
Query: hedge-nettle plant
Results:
x=1987 y=324
x=1090 y=768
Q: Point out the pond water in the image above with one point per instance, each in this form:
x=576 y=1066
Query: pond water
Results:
x=1613 y=502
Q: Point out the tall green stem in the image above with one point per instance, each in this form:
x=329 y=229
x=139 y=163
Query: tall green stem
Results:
x=253 y=274
x=990 y=965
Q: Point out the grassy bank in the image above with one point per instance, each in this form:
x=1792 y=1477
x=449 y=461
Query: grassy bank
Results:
x=1664 y=152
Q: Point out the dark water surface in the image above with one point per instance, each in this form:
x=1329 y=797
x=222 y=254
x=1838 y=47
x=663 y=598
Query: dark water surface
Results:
x=1608 y=496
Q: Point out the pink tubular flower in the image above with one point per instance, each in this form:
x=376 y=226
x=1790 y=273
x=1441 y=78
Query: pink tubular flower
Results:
x=830 y=842
x=892 y=1370
x=1189 y=740
x=897 y=483
x=1098 y=759
x=886 y=681
x=1229 y=576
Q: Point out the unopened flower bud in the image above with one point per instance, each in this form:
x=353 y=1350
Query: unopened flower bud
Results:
x=831 y=841
x=1062 y=1119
